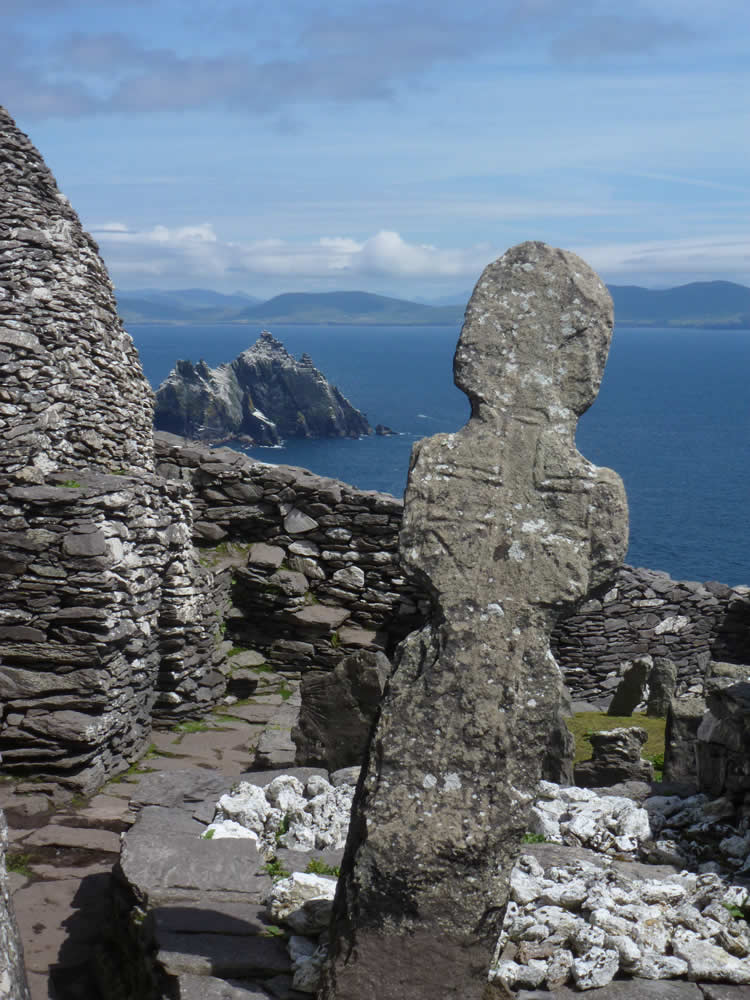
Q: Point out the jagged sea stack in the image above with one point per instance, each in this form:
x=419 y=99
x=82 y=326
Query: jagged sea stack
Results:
x=507 y=526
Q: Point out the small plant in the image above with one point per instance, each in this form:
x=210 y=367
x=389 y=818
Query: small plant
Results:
x=657 y=759
x=533 y=838
x=191 y=726
x=208 y=835
x=318 y=867
x=271 y=930
x=285 y=692
x=71 y=484
x=283 y=827
x=276 y=870
x=18 y=863
x=335 y=640
x=737 y=912
x=235 y=651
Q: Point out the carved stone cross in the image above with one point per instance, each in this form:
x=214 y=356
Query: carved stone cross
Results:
x=506 y=525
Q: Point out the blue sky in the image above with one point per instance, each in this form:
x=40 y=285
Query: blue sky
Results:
x=394 y=147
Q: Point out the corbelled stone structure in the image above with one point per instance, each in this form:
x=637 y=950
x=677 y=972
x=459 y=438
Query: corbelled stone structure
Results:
x=102 y=600
x=506 y=525
x=72 y=391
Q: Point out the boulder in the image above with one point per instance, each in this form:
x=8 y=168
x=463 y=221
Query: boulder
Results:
x=507 y=527
x=630 y=691
x=662 y=682
x=338 y=710
x=616 y=757
x=683 y=718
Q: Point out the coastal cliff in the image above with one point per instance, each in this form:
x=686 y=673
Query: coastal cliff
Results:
x=265 y=394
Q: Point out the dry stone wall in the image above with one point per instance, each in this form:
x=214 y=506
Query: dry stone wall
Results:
x=72 y=393
x=104 y=610
x=102 y=613
x=647 y=612
x=317 y=573
x=334 y=535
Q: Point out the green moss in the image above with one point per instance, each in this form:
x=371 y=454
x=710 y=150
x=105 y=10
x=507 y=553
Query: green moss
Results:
x=285 y=692
x=71 y=484
x=335 y=640
x=208 y=835
x=584 y=724
x=533 y=838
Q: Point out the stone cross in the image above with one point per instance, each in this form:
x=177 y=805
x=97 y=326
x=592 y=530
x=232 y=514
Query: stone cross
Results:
x=507 y=526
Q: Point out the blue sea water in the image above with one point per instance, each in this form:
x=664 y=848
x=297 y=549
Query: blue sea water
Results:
x=672 y=417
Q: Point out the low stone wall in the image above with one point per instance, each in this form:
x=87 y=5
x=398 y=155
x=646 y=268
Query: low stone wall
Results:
x=646 y=612
x=103 y=611
x=327 y=579
x=317 y=573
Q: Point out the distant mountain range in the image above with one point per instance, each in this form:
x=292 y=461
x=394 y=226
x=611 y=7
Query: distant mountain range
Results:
x=721 y=304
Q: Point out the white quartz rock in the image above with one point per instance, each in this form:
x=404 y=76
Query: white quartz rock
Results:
x=228 y=828
x=302 y=901
x=246 y=804
x=707 y=961
x=598 y=968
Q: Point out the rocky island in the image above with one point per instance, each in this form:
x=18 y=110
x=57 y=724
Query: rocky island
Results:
x=264 y=395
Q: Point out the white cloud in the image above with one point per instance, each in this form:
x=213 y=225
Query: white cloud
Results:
x=662 y=262
x=196 y=252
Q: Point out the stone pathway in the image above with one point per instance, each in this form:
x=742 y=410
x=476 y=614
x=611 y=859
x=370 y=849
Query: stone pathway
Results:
x=63 y=849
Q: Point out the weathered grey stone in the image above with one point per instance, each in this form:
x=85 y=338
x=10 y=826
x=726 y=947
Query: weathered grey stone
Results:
x=13 y=984
x=506 y=525
x=616 y=758
x=683 y=718
x=338 y=710
x=662 y=682
x=630 y=691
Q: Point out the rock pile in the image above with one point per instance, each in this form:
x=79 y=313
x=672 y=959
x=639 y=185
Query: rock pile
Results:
x=586 y=922
x=264 y=395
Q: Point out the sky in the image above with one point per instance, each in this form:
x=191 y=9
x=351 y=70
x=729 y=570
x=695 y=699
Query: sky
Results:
x=396 y=148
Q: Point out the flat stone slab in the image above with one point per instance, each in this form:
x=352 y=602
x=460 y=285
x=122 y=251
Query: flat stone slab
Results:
x=223 y=954
x=209 y=988
x=183 y=787
x=74 y=836
x=163 y=864
x=256 y=713
x=321 y=616
x=719 y=991
x=218 y=918
x=247 y=658
x=627 y=989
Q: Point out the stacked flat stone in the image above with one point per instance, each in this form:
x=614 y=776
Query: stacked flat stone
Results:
x=72 y=391
x=101 y=598
x=320 y=575
x=647 y=613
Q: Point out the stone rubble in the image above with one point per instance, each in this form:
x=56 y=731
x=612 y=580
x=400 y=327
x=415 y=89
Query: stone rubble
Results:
x=287 y=813
x=586 y=923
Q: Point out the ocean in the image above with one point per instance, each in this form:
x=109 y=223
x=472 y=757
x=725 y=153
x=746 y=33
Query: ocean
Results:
x=672 y=418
